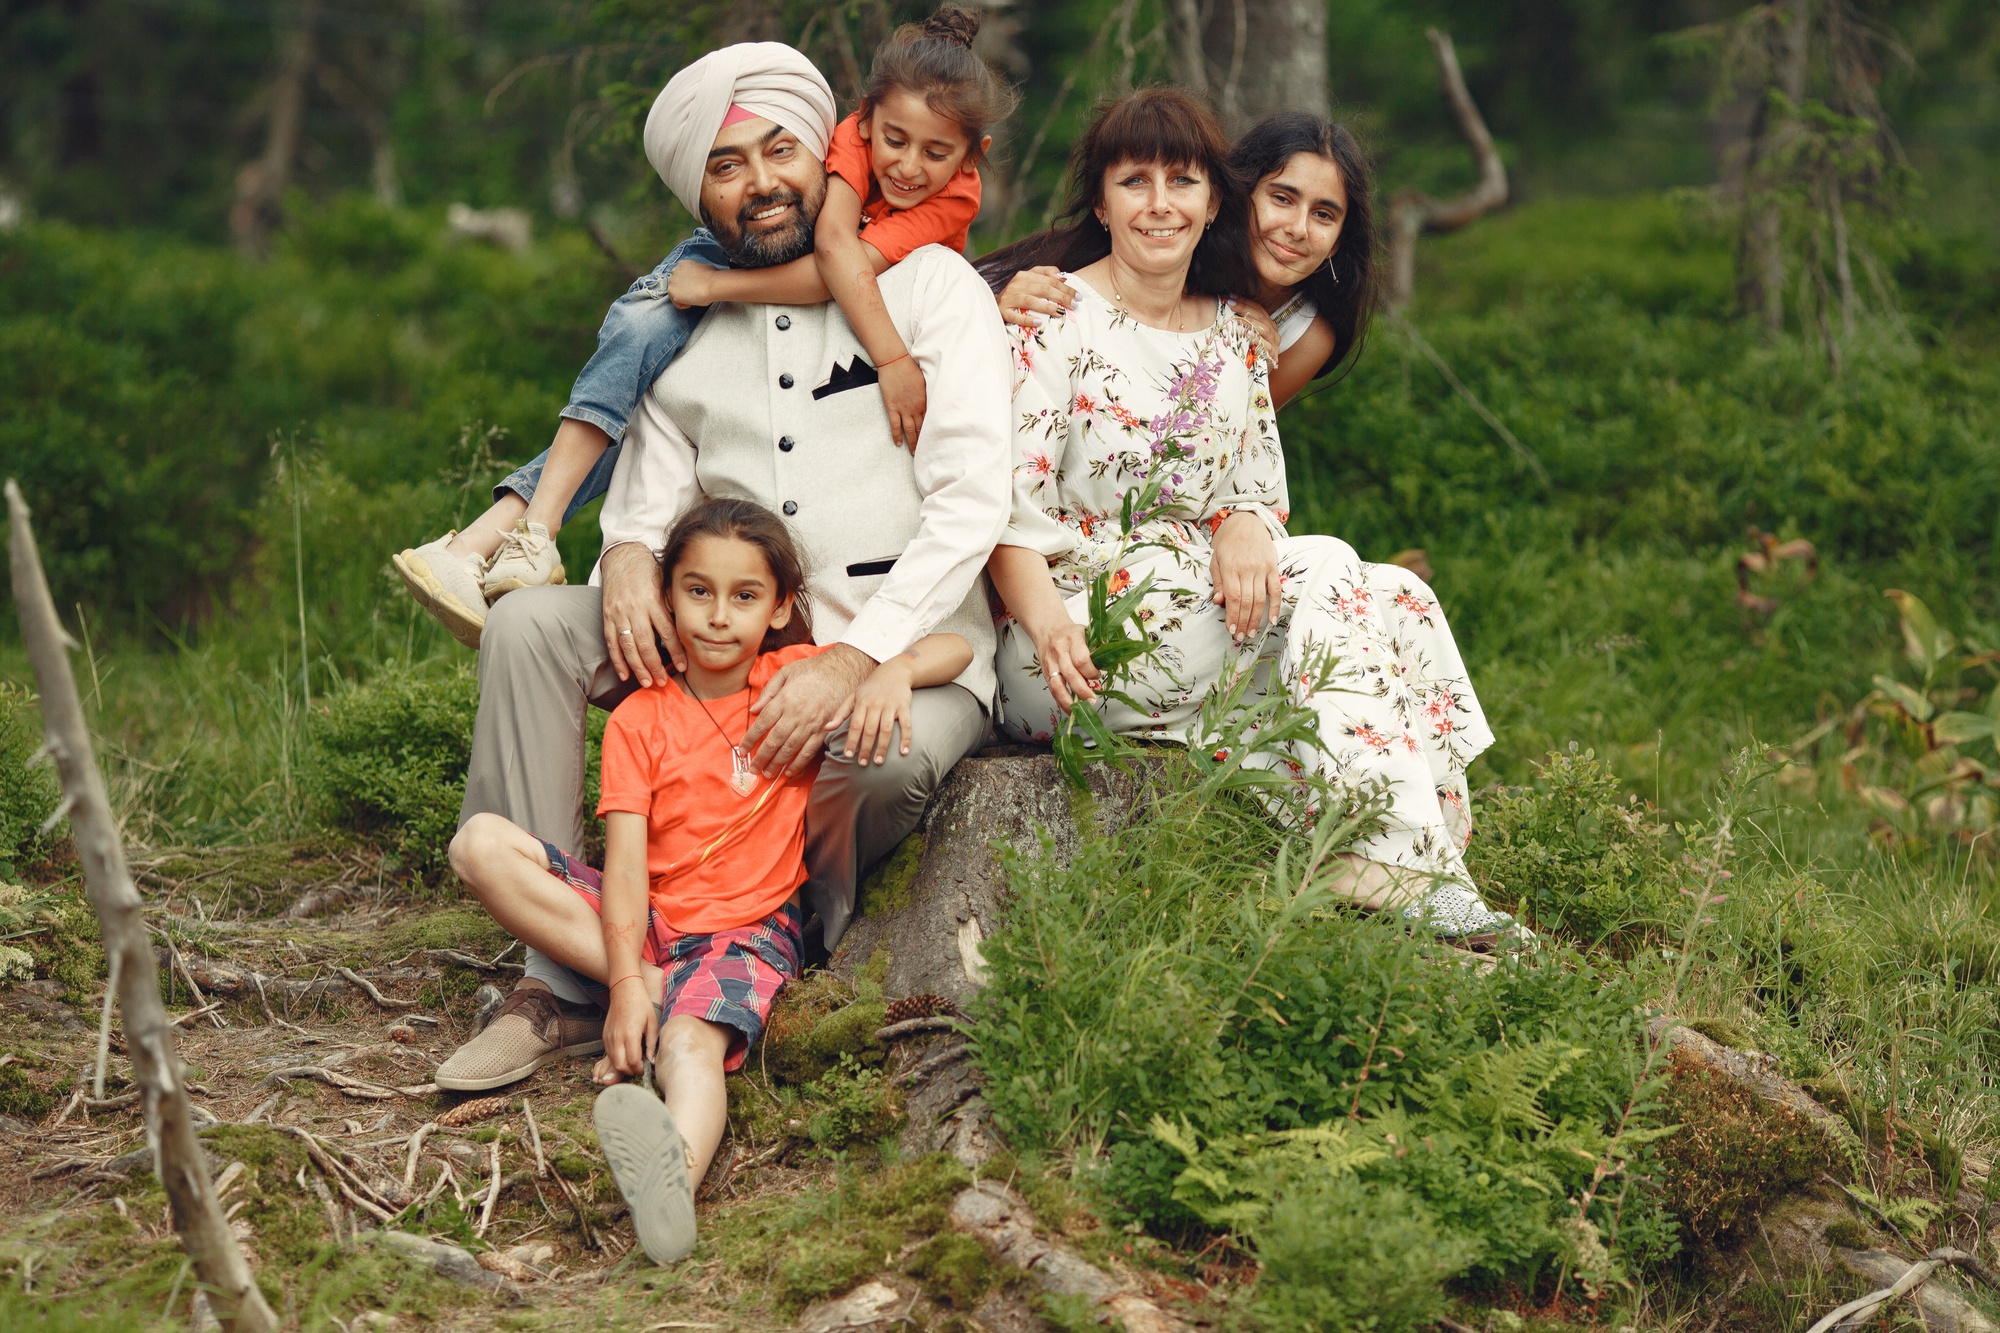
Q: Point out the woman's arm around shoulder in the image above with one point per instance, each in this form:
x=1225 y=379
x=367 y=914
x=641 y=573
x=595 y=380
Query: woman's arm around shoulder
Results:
x=1299 y=363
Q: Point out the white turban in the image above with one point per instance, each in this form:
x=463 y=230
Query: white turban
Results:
x=767 y=79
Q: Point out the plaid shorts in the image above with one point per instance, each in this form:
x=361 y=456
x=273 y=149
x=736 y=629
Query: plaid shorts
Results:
x=728 y=977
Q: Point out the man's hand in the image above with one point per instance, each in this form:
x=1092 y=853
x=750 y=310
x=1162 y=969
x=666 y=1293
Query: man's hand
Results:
x=803 y=702
x=689 y=285
x=1244 y=571
x=636 y=619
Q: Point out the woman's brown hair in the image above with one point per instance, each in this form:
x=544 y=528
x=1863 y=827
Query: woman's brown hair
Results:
x=744 y=521
x=934 y=60
x=1155 y=125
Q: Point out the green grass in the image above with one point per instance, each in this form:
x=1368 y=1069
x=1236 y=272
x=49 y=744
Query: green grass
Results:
x=1634 y=699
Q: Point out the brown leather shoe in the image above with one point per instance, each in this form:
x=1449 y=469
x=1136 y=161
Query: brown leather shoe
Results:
x=532 y=1029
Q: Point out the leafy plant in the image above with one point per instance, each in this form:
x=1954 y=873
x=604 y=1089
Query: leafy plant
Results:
x=389 y=759
x=852 y=1103
x=1575 y=853
x=28 y=792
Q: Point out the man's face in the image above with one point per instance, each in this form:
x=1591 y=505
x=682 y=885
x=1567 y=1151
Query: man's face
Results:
x=761 y=194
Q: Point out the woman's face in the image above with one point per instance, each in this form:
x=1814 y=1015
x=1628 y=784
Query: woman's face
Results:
x=1296 y=214
x=1155 y=214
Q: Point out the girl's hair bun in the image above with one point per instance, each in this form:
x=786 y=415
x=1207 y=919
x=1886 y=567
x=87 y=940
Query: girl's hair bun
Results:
x=953 y=23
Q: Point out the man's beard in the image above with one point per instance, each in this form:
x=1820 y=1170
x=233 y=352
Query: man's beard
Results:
x=767 y=249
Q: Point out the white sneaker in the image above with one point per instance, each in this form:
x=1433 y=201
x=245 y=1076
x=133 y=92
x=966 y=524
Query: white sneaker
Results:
x=649 y=1160
x=446 y=584
x=1455 y=913
x=527 y=558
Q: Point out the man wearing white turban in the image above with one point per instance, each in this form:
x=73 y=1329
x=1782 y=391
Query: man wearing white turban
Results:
x=776 y=404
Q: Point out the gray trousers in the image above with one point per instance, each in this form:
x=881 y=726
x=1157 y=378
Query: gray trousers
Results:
x=542 y=662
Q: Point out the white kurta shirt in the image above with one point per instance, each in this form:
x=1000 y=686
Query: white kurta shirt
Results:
x=779 y=404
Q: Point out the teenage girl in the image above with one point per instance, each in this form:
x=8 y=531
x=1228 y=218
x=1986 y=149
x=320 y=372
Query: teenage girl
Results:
x=1312 y=246
x=902 y=173
x=703 y=859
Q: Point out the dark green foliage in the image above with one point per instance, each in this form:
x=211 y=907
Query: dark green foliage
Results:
x=1575 y=853
x=852 y=1104
x=389 y=759
x=58 y=931
x=1339 y=1256
x=27 y=795
x=1129 y=986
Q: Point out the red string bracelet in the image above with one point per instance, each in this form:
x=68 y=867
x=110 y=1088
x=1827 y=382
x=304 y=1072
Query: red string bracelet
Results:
x=892 y=361
x=633 y=976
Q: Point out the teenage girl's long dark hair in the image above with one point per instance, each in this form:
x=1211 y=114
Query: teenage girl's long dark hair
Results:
x=1344 y=297
x=1154 y=125
x=744 y=521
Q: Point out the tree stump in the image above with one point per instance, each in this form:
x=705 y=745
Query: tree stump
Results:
x=929 y=906
x=925 y=911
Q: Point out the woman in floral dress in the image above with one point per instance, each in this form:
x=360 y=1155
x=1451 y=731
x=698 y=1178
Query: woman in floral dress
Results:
x=1150 y=375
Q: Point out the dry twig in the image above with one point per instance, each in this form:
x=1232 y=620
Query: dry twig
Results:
x=365 y=984
x=183 y=1169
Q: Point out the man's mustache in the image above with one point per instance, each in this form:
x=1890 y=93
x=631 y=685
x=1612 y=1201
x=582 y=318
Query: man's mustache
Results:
x=764 y=201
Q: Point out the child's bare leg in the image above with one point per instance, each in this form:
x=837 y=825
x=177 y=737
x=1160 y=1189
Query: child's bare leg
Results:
x=690 y=1066
x=507 y=869
x=578 y=445
x=482 y=536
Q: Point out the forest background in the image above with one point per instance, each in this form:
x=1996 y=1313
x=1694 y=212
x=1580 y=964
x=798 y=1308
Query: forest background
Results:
x=244 y=357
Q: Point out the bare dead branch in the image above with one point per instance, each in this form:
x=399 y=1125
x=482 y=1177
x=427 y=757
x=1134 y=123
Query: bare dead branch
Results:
x=385 y=1001
x=1411 y=212
x=181 y=1165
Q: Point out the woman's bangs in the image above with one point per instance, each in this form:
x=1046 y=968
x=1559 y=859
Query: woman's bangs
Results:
x=1158 y=130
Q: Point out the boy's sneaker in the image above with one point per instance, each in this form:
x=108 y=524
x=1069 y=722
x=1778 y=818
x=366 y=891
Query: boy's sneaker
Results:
x=649 y=1160
x=533 y=1028
x=527 y=558
x=446 y=584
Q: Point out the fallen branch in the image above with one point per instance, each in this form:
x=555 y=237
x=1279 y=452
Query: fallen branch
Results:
x=424 y=1131
x=333 y=1078
x=910 y=1027
x=492 y=1192
x=1915 y=1276
x=192 y=1014
x=466 y=960
x=182 y=1167
x=535 y=1137
x=385 y=1001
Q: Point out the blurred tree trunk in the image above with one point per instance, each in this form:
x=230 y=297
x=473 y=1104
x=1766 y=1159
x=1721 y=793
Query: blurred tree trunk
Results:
x=1263 y=56
x=1412 y=212
x=260 y=185
x=1760 y=248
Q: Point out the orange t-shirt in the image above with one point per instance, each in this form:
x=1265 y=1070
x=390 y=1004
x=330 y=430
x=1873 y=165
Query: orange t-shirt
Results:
x=715 y=860
x=943 y=219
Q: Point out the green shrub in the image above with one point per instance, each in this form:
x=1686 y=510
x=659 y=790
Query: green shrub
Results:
x=1341 y=1256
x=27 y=795
x=1150 y=981
x=389 y=759
x=1573 y=853
x=852 y=1104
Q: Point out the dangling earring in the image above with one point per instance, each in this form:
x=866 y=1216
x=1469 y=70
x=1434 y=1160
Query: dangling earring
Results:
x=1331 y=272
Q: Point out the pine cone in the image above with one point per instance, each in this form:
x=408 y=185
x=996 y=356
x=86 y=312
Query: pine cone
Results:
x=918 y=1006
x=477 y=1109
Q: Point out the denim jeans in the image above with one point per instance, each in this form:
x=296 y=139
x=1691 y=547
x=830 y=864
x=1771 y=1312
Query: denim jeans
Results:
x=641 y=333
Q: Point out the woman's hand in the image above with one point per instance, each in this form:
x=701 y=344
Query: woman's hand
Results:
x=1063 y=649
x=691 y=285
x=880 y=705
x=631 y=1029
x=1244 y=571
x=1033 y=294
x=904 y=394
x=1261 y=324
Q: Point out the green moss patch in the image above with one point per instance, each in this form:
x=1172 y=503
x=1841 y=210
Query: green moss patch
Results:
x=954 y=1268
x=817 y=1021
x=1733 y=1154
x=892 y=884
x=289 y=1223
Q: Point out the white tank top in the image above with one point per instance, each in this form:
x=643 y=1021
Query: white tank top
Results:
x=1293 y=318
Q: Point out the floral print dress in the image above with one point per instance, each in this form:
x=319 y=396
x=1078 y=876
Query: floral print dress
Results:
x=1100 y=402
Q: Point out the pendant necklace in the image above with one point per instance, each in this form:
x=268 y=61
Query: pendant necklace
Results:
x=741 y=776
